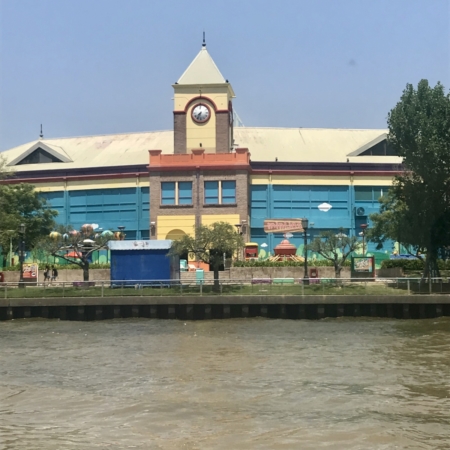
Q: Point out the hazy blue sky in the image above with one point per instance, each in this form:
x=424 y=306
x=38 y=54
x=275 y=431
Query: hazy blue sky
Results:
x=106 y=66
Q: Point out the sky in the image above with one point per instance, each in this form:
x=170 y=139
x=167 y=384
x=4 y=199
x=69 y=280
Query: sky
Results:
x=89 y=67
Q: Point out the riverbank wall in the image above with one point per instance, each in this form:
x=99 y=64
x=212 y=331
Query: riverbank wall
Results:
x=223 y=307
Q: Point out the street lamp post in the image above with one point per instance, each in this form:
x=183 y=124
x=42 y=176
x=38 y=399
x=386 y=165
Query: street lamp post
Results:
x=239 y=231
x=363 y=234
x=305 y=224
x=21 y=252
x=10 y=250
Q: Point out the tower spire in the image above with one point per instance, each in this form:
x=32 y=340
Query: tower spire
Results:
x=204 y=41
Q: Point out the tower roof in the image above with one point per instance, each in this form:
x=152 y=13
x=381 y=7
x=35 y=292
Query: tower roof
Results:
x=202 y=70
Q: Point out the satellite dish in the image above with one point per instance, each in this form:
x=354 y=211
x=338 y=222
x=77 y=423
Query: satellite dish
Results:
x=324 y=207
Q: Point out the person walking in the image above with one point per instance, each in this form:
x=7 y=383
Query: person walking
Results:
x=47 y=273
x=54 y=273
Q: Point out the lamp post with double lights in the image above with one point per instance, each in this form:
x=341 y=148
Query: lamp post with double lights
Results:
x=363 y=234
x=305 y=224
x=239 y=227
x=21 y=253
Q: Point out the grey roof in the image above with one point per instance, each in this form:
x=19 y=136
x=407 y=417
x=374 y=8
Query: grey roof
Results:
x=163 y=244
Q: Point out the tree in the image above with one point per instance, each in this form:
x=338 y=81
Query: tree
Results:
x=419 y=131
x=209 y=244
x=4 y=172
x=21 y=203
x=393 y=223
x=76 y=247
x=335 y=247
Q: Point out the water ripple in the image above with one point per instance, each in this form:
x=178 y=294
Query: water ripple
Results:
x=244 y=384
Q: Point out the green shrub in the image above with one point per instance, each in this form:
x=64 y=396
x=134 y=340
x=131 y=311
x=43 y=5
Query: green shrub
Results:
x=267 y=263
x=412 y=264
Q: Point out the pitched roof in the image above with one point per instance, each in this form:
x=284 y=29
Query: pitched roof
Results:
x=320 y=145
x=113 y=150
x=310 y=144
x=202 y=70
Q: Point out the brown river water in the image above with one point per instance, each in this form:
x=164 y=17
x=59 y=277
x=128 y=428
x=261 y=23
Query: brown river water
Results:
x=225 y=384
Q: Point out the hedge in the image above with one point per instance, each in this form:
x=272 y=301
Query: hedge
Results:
x=267 y=263
x=412 y=264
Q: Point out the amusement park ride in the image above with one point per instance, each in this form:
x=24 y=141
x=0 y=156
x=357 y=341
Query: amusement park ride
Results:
x=284 y=251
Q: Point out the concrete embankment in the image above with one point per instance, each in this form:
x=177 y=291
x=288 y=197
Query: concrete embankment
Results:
x=223 y=307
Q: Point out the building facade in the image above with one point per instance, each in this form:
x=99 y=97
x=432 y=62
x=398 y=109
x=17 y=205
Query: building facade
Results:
x=160 y=185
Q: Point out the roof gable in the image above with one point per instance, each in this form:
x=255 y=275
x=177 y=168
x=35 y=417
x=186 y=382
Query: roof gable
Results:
x=40 y=153
x=376 y=147
x=202 y=70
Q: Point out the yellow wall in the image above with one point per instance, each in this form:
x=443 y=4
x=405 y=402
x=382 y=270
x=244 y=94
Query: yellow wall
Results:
x=165 y=224
x=219 y=94
x=321 y=180
x=204 y=133
x=373 y=181
x=209 y=219
x=77 y=185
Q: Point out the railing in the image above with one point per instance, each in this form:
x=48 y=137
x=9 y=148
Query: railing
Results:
x=254 y=286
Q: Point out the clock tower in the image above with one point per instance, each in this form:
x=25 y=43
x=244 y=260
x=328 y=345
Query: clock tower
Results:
x=203 y=111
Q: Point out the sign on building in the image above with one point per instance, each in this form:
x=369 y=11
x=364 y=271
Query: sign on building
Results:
x=283 y=225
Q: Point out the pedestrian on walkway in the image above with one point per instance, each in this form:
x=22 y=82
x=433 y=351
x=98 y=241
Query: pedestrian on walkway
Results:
x=54 y=273
x=47 y=273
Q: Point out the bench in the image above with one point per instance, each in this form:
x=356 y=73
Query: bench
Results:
x=261 y=281
x=83 y=284
x=283 y=281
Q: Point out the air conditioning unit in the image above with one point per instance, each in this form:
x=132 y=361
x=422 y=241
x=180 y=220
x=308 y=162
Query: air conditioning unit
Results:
x=360 y=211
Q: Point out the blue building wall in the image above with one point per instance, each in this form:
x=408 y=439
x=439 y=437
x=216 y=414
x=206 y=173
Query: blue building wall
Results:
x=351 y=207
x=130 y=207
x=109 y=208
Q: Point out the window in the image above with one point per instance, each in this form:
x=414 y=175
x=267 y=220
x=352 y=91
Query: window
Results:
x=185 y=193
x=220 y=192
x=363 y=194
x=176 y=193
x=369 y=193
x=39 y=156
x=228 y=192
x=211 y=192
x=168 y=193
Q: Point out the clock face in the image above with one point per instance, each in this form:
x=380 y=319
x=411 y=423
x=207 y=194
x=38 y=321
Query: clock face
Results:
x=201 y=113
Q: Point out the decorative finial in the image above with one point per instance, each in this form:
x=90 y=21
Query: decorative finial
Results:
x=204 y=41
x=42 y=134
